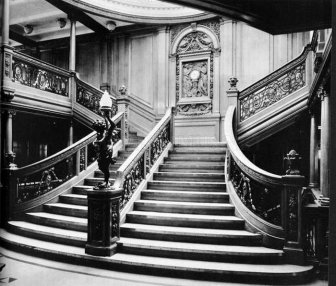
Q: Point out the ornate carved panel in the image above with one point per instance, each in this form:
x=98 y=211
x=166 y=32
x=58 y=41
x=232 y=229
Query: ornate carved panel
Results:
x=195 y=41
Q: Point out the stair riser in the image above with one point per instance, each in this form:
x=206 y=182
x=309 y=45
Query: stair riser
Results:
x=57 y=223
x=185 y=187
x=233 y=240
x=99 y=174
x=74 y=201
x=96 y=181
x=195 y=158
x=183 y=177
x=202 y=256
x=47 y=237
x=185 y=197
x=186 y=170
x=79 y=191
x=66 y=211
x=185 y=223
x=210 y=151
x=183 y=210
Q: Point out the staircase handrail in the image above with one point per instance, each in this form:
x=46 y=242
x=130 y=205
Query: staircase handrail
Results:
x=94 y=94
x=288 y=79
x=243 y=162
x=66 y=152
x=41 y=64
x=270 y=203
x=143 y=157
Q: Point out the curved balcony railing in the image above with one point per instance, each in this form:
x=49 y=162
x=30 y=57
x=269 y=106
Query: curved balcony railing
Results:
x=275 y=86
x=89 y=97
x=32 y=182
x=33 y=72
x=270 y=202
x=138 y=164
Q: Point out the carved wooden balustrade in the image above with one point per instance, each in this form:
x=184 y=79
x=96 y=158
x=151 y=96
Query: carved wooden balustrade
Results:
x=89 y=97
x=270 y=203
x=274 y=87
x=138 y=164
x=32 y=72
x=30 y=186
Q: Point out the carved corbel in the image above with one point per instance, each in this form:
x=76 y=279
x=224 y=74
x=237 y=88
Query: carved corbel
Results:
x=7 y=94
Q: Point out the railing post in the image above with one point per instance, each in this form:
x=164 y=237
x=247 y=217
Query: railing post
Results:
x=10 y=194
x=122 y=131
x=232 y=95
x=78 y=162
x=103 y=222
x=172 y=124
x=291 y=208
x=123 y=106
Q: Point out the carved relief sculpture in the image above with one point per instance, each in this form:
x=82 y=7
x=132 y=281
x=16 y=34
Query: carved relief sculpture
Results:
x=195 y=79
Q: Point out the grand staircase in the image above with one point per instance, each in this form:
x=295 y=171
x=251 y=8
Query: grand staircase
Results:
x=183 y=225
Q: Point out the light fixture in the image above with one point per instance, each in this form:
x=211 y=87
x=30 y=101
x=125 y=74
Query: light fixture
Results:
x=105 y=102
x=61 y=22
x=111 y=25
x=28 y=29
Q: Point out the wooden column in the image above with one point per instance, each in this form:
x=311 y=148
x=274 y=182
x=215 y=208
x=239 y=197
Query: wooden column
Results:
x=9 y=154
x=70 y=139
x=5 y=22
x=72 y=53
x=313 y=142
x=325 y=143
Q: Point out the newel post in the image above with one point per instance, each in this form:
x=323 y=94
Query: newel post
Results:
x=172 y=124
x=103 y=222
x=123 y=106
x=291 y=209
x=232 y=96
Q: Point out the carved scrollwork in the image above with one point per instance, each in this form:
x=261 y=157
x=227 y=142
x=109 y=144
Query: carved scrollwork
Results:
x=272 y=92
x=260 y=199
x=195 y=41
x=28 y=74
x=194 y=109
x=132 y=181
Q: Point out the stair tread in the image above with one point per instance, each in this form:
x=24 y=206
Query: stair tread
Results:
x=50 y=230
x=189 y=174
x=77 y=196
x=150 y=261
x=183 y=203
x=224 y=194
x=187 y=182
x=186 y=216
x=188 y=230
x=71 y=206
x=59 y=217
x=176 y=245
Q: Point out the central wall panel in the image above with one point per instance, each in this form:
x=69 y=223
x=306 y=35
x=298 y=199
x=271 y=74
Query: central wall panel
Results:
x=141 y=69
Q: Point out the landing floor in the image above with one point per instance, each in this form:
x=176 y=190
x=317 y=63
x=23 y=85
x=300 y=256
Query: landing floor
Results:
x=24 y=270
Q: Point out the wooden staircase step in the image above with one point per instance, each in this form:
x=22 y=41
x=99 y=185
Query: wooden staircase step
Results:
x=74 y=199
x=200 y=251
x=187 y=168
x=184 y=207
x=285 y=274
x=196 y=157
x=66 y=209
x=96 y=181
x=189 y=234
x=199 y=150
x=202 y=145
x=53 y=234
x=191 y=177
x=185 y=220
x=187 y=186
x=189 y=196
x=81 y=189
x=99 y=174
x=59 y=221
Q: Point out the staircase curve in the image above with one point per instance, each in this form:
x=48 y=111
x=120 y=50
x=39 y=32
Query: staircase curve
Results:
x=274 y=102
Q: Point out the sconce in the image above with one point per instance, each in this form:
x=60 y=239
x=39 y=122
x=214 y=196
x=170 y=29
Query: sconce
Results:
x=111 y=25
x=28 y=29
x=105 y=102
x=61 y=22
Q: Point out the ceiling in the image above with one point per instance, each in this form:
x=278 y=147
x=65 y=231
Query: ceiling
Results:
x=33 y=21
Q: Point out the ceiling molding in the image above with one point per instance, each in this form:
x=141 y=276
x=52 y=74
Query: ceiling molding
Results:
x=79 y=15
x=18 y=37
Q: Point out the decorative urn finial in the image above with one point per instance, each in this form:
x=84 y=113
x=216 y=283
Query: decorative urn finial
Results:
x=293 y=161
x=233 y=83
x=123 y=90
